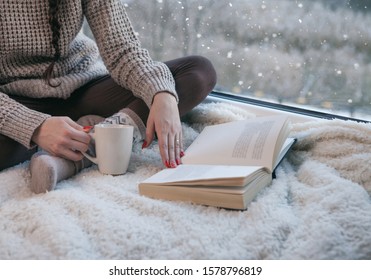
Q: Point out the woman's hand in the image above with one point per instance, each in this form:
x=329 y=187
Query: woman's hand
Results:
x=62 y=137
x=165 y=121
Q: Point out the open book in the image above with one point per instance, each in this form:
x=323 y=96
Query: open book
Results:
x=227 y=164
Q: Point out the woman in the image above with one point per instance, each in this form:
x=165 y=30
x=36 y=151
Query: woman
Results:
x=51 y=75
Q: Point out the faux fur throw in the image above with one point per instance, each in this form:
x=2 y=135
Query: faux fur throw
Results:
x=318 y=207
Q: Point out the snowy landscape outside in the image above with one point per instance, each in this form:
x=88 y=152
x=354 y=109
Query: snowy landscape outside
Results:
x=310 y=53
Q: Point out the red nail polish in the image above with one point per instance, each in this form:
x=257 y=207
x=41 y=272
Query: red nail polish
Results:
x=167 y=164
x=87 y=128
x=178 y=162
x=181 y=154
x=144 y=144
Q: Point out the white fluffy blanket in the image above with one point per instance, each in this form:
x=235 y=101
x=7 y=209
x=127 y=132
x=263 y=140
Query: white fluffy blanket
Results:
x=318 y=207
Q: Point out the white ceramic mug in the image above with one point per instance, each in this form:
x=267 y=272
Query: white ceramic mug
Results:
x=113 y=146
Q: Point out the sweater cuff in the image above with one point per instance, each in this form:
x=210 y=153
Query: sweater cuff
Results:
x=156 y=87
x=21 y=124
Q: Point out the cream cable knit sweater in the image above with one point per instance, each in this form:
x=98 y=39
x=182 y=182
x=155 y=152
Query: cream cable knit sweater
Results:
x=26 y=52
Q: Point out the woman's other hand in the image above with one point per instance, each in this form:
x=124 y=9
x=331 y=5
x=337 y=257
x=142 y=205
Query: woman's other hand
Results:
x=62 y=137
x=164 y=120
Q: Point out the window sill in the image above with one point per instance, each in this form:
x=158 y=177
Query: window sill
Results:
x=262 y=108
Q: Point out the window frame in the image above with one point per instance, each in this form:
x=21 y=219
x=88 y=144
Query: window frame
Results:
x=243 y=100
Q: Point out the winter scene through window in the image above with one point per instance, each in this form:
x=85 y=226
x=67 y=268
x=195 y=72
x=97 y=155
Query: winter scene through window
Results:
x=312 y=54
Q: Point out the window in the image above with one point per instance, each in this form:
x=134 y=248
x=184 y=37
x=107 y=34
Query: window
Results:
x=313 y=54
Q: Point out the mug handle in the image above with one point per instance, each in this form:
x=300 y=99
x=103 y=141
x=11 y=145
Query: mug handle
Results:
x=89 y=157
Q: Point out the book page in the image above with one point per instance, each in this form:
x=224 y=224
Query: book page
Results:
x=247 y=142
x=215 y=175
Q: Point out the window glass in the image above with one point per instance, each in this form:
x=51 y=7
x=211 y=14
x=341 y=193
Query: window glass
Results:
x=314 y=54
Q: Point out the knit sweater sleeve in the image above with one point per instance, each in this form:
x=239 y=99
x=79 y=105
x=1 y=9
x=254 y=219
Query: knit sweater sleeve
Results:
x=129 y=64
x=17 y=121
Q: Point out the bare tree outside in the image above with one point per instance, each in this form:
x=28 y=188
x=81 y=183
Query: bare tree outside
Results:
x=311 y=53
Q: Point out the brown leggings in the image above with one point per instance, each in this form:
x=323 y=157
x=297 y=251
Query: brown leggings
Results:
x=194 y=77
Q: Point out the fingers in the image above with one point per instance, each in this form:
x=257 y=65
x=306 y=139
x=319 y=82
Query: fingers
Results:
x=170 y=144
x=68 y=149
x=78 y=133
x=72 y=155
x=150 y=134
x=171 y=149
x=62 y=137
x=178 y=148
